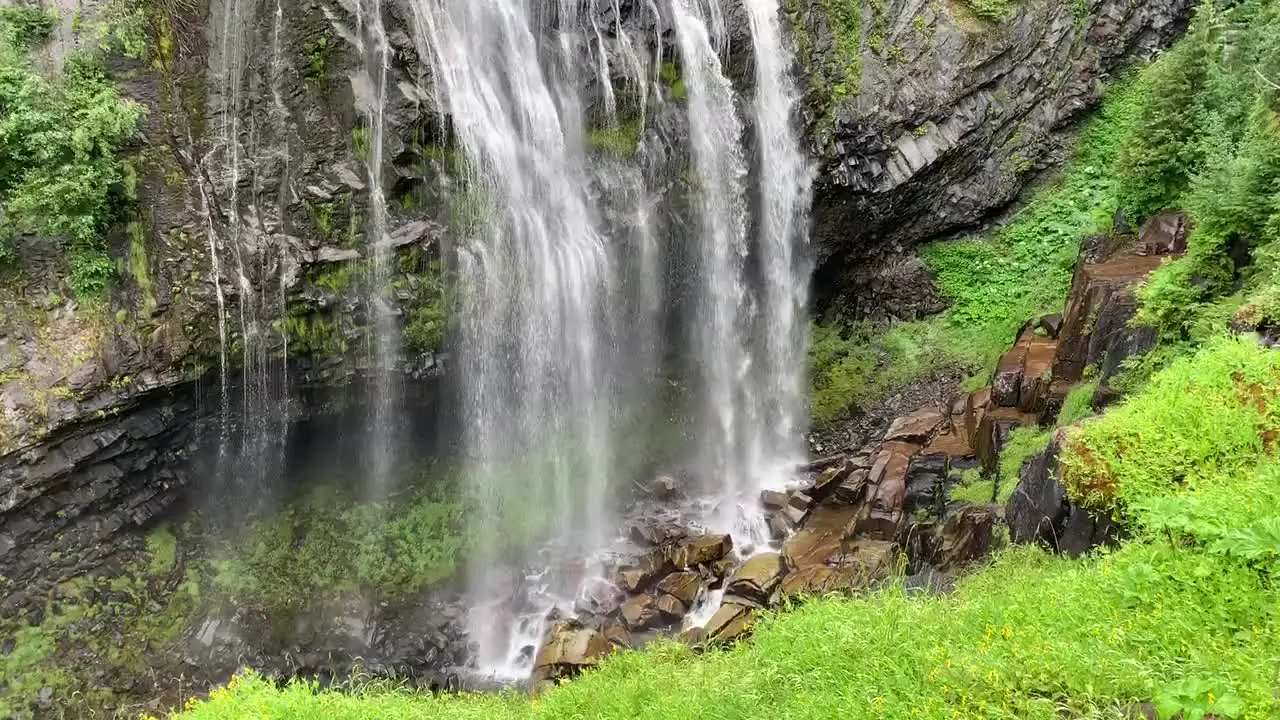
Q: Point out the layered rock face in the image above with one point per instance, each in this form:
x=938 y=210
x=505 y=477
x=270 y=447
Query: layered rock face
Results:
x=926 y=120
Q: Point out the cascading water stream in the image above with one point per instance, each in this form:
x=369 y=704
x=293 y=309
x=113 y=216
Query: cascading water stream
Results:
x=381 y=439
x=536 y=353
x=560 y=301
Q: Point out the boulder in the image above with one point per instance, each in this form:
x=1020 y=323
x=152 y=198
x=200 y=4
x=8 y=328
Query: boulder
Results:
x=1041 y=511
x=1164 y=234
x=753 y=584
x=1037 y=375
x=927 y=482
x=827 y=482
x=821 y=539
x=699 y=551
x=797 y=508
x=729 y=623
x=917 y=428
x=965 y=537
x=681 y=585
x=598 y=597
x=1006 y=383
x=664 y=487
x=640 y=612
x=1051 y=325
x=670 y=608
x=569 y=647
x=820 y=464
x=773 y=499
x=889 y=475
x=648 y=568
x=853 y=489
x=617 y=634
x=863 y=563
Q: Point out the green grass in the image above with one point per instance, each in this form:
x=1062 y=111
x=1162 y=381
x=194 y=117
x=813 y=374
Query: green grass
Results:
x=1078 y=404
x=984 y=280
x=1024 y=442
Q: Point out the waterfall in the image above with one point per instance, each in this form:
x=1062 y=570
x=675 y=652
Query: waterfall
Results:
x=381 y=439
x=538 y=352
x=719 y=335
x=562 y=274
x=245 y=156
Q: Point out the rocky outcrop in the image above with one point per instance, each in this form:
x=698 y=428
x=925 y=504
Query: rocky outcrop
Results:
x=926 y=119
x=1041 y=511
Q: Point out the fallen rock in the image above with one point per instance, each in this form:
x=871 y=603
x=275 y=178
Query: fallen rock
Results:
x=1006 y=384
x=797 y=508
x=827 y=482
x=821 y=464
x=640 y=612
x=753 y=584
x=681 y=585
x=773 y=499
x=853 y=489
x=917 y=428
x=568 y=649
x=617 y=633
x=729 y=623
x=664 y=487
x=865 y=562
x=699 y=551
x=966 y=536
x=598 y=597
x=889 y=475
x=646 y=570
x=670 y=608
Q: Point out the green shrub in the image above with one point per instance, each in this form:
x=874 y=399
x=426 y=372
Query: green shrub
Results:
x=1078 y=404
x=22 y=26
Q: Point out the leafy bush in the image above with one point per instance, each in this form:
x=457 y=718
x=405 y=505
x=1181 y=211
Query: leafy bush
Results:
x=22 y=26
x=59 y=170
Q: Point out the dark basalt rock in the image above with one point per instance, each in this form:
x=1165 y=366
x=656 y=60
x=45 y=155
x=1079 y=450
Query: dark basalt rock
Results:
x=949 y=126
x=1041 y=511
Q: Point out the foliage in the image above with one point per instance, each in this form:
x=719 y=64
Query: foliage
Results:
x=22 y=26
x=1203 y=419
x=1024 y=443
x=1032 y=637
x=985 y=280
x=59 y=170
x=994 y=10
x=973 y=488
x=1078 y=404
x=1212 y=148
x=326 y=543
x=619 y=140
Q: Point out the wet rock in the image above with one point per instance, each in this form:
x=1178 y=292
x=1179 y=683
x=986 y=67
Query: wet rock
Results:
x=729 y=623
x=853 y=489
x=966 y=537
x=863 y=563
x=598 y=597
x=773 y=499
x=646 y=570
x=917 y=428
x=617 y=634
x=568 y=649
x=779 y=526
x=827 y=482
x=821 y=464
x=699 y=550
x=754 y=583
x=1041 y=511
x=797 y=508
x=682 y=585
x=670 y=608
x=1051 y=325
x=1164 y=234
x=721 y=568
x=640 y=612
x=694 y=637
x=664 y=487
x=889 y=475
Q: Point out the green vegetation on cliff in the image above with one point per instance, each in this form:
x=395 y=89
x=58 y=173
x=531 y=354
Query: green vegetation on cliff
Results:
x=1209 y=143
x=984 y=279
x=60 y=172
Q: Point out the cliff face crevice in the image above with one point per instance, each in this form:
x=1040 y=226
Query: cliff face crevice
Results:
x=942 y=120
